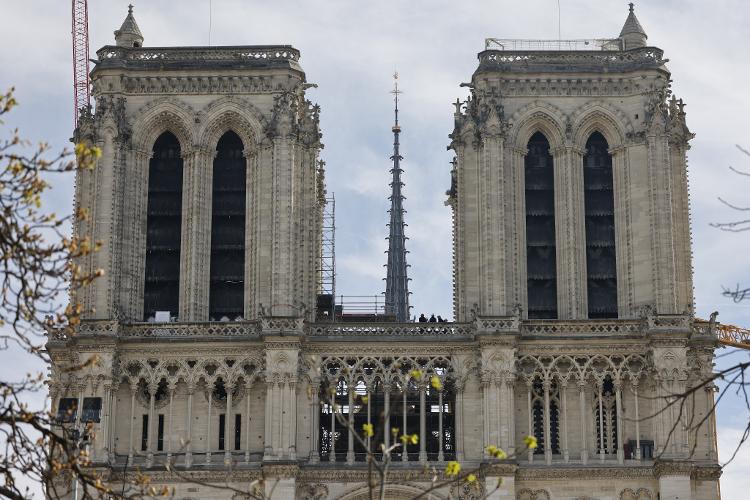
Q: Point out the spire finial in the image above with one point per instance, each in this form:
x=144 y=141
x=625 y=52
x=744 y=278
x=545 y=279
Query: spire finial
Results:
x=631 y=4
x=395 y=93
x=130 y=8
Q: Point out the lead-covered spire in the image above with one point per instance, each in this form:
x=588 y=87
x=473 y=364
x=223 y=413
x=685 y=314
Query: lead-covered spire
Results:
x=397 y=281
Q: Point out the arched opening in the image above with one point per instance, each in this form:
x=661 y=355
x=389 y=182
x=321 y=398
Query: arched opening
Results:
x=541 y=268
x=601 y=263
x=538 y=416
x=227 y=274
x=163 y=229
x=605 y=418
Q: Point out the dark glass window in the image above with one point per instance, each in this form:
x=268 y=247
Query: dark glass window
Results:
x=540 y=230
x=601 y=262
x=237 y=431
x=163 y=228
x=405 y=407
x=66 y=410
x=222 y=423
x=227 y=280
x=144 y=433
x=606 y=419
x=92 y=410
x=160 y=434
x=537 y=409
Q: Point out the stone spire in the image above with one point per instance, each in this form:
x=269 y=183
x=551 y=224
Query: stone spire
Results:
x=397 y=281
x=129 y=35
x=633 y=35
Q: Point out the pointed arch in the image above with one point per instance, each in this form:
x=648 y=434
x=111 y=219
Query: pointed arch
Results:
x=235 y=114
x=159 y=116
x=541 y=261
x=601 y=255
x=163 y=227
x=602 y=117
x=536 y=117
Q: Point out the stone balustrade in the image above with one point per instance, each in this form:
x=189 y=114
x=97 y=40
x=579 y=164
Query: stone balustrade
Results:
x=192 y=57
x=573 y=60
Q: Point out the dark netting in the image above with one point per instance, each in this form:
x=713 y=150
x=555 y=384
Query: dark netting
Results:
x=601 y=262
x=540 y=230
x=227 y=281
x=163 y=228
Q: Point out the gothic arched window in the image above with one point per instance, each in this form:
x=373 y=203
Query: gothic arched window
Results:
x=227 y=275
x=163 y=228
x=605 y=418
x=541 y=269
x=600 y=229
x=537 y=416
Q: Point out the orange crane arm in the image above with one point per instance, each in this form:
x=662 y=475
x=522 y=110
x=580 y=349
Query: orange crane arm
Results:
x=733 y=336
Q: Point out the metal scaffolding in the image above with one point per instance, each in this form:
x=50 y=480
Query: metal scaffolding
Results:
x=327 y=265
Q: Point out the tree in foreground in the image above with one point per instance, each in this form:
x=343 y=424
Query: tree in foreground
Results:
x=40 y=279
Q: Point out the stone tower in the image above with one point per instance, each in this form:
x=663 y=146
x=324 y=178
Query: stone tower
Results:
x=177 y=216
x=571 y=192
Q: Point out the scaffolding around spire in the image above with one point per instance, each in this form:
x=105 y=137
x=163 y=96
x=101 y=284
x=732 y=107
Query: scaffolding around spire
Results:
x=397 y=280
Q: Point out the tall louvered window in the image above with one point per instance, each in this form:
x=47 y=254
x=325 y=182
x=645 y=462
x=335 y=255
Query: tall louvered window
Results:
x=226 y=301
x=601 y=261
x=540 y=230
x=163 y=228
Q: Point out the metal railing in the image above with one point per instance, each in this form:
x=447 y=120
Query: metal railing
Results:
x=607 y=44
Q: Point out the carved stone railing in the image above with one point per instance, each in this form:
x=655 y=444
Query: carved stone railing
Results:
x=561 y=61
x=196 y=57
x=585 y=327
x=239 y=329
x=391 y=330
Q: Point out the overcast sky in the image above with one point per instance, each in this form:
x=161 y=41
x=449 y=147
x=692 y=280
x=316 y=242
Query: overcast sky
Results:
x=351 y=49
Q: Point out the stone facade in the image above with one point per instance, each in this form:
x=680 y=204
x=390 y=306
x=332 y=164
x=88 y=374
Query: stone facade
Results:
x=229 y=402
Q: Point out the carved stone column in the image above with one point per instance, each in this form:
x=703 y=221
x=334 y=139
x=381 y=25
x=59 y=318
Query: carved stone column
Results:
x=547 y=421
x=252 y=232
x=623 y=231
x=282 y=353
x=133 y=391
x=189 y=427
x=195 y=248
x=583 y=416
x=228 y=426
x=662 y=223
x=620 y=422
x=459 y=385
x=422 y=423
x=168 y=435
x=517 y=236
x=570 y=233
x=134 y=240
x=314 y=420
x=492 y=243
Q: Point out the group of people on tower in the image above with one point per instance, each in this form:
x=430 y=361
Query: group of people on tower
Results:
x=433 y=319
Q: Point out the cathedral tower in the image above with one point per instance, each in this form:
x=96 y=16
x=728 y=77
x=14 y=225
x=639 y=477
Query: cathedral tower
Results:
x=571 y=192
x=206 y=198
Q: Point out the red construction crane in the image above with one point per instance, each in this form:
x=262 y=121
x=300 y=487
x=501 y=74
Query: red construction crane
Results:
x=80 y=31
